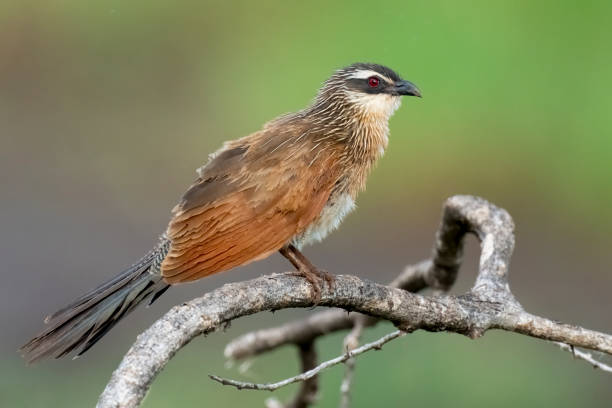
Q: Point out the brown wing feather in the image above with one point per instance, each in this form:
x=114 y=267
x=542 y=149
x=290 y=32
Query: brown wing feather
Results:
x=240 y=211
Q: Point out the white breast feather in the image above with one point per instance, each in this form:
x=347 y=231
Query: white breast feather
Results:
x=329 y=220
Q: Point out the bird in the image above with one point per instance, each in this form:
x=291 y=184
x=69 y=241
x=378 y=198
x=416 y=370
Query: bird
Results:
x=276 y=190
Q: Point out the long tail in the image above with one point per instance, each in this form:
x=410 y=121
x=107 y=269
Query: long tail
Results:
x=86 y=320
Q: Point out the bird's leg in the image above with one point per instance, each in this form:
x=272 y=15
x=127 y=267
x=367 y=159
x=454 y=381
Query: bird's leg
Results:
x=307 y=270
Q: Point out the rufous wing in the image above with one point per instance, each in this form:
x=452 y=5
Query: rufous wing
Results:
x=229 y=220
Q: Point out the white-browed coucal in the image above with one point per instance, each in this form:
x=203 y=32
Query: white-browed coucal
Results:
x=278 y=189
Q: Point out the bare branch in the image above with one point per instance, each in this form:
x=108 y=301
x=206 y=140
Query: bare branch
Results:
x=311 y=373
x=489 y=305
x=412 y=279
x=586 y=357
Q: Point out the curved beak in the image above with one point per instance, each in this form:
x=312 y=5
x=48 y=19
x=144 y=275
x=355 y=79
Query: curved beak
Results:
x=406 y=88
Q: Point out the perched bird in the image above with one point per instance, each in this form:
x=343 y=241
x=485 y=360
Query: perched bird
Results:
x=278 y=189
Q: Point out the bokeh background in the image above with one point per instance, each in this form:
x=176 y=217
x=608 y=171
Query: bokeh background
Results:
x=107 y=107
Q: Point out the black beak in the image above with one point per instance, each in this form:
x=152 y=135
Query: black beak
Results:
x=406 y=88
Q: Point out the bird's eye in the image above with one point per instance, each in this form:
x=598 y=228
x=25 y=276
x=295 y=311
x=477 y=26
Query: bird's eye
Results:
x=373 y=81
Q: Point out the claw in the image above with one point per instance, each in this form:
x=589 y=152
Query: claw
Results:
x=308 y=271
x=317 y=278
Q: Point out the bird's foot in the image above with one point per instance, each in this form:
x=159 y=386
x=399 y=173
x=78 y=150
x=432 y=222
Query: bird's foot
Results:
x=305 y=269
x=317 y=278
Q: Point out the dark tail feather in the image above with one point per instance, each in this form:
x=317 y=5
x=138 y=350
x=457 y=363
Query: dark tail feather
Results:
x=86 y=320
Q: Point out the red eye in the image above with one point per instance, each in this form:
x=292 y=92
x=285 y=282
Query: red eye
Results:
x=373 y=82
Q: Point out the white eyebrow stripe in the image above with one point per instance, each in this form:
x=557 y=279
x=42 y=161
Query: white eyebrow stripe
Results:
x=366 y=73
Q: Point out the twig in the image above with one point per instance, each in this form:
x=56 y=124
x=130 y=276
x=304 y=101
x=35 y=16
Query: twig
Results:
x=351 y=341
x=586 y=357
x=310 y=373
x=347 y=382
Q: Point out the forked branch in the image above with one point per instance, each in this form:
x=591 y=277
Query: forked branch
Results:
x=489 y=305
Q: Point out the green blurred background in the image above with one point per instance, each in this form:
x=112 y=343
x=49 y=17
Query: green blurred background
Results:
x=107 y=107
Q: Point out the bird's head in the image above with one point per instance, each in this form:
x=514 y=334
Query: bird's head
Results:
x=371 y=89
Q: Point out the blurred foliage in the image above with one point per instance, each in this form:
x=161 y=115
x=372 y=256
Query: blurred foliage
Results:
x=516 y=93
x=122 y=100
